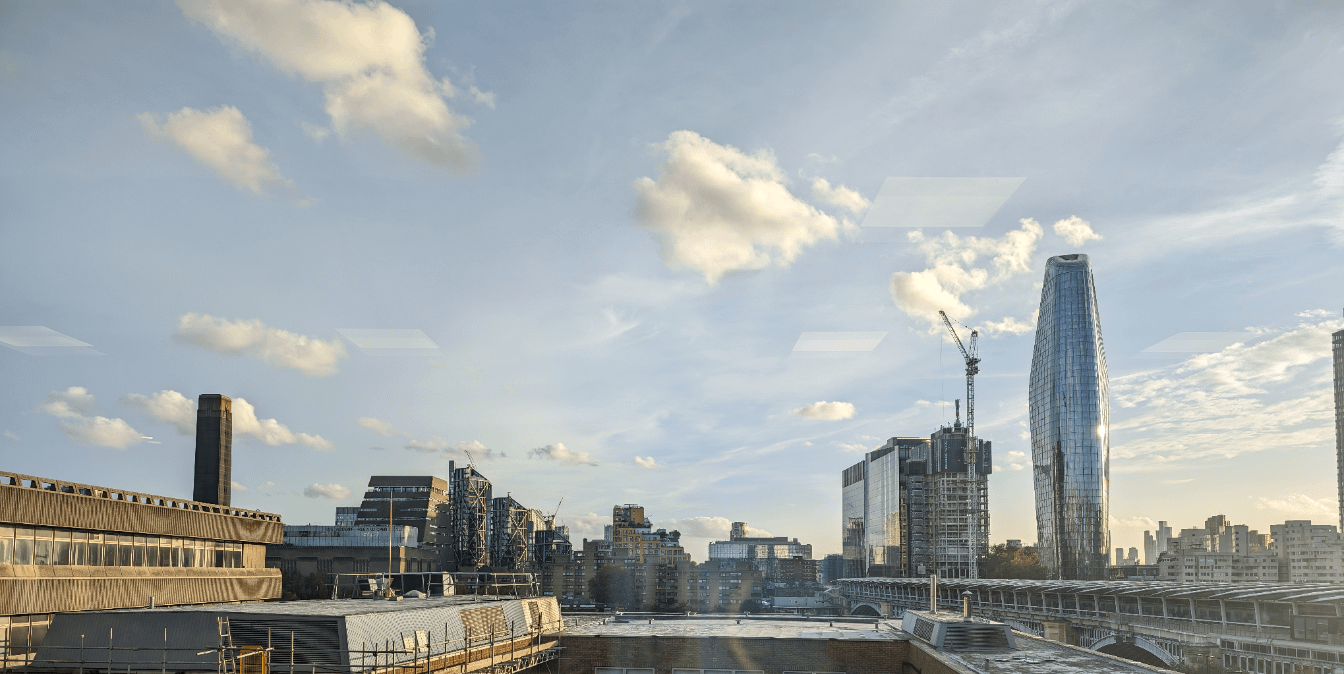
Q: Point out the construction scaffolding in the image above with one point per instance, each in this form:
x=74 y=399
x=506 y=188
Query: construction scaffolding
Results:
x=512 y=534
x=470 y=517
x=954 y=502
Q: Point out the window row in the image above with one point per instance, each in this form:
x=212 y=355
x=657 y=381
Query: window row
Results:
x=67 y=547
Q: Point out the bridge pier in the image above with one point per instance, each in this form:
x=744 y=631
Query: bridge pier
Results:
x=1060 y=631
x=884 y=608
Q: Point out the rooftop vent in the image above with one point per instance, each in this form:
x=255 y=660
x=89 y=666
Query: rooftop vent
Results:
x=951 y=632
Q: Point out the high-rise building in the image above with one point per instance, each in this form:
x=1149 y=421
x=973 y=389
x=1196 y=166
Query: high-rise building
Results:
x=1069 y=400
x=214 y=450
x=871 y=514
x=1337 y=341
x=957 y=504
x=633 y=534
x=1155 y=543
x=513 y=529
x=470 y=517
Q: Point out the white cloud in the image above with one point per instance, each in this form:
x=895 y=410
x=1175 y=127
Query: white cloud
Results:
x=332 y=491
x=559 y=452
x=1076 y=231
x=591 y=525
x=485 y=98
x=12 y=436
x=824 y=411
x=278 y=348
x=221 y=139
x=839 y=196
x=1136 y=522
x=1010 y=325
x=169 y=406
x=1016 y=454
x=708 y=527
x=852 y=447
x=379 y=426
x=1272 y=394
x=75 y=407
x=646 y=462
x=317 y=133
x=1180 y=481
x=246 y=425
x=369 y=59
x=475 y=448
x=238 y=486
x=1015 y=466
x=1300 y=505
x=960 y=265
x=716 y=209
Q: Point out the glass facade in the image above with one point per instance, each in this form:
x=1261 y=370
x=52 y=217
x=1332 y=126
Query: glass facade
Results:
x=882 y=528
x=852 y=497
x=1069 y=400
x=72 y=547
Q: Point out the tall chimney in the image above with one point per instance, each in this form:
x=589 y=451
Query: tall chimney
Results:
x=214 y=449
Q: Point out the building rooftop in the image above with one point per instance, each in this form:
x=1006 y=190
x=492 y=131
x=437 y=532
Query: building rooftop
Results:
x=331 y=607
x=759 y=627
x=1035 y=655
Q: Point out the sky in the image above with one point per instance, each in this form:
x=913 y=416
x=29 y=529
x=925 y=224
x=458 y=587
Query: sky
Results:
x=606 y=232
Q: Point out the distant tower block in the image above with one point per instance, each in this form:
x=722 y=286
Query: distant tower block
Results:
x=214 y=449
x=739 y=531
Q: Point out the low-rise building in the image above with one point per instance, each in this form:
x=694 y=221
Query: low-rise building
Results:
x=783 y=562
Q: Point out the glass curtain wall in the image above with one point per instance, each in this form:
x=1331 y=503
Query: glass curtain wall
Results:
x=1069 y=401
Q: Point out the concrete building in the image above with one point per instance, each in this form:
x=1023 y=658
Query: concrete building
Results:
x=1308 y=553
x=786 y=563
x=1218 y=552
x=1069 y=409
x=634 y=534
x=66 y=546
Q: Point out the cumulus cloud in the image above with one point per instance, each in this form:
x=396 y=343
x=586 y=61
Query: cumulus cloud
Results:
x=221 y=139
x=709 y=527
x=246 y=425
x=716 y=209
x=591 y=525
x=252 y=338
x=559 y=452
x=75 y=408
x=475 y=448
x=13 y=436
x=824 y=411
x=169 y=406
x=646 y=462
x=959 y=265
x=331 y=491
x=238 y=486
x=1017 y=455
x=1015 y=466
x=1270 y=394
x=369 y=59
x=1299 y=505
x=379 y=426
x=839 y=196
x=852 y=447
x=1076 y=231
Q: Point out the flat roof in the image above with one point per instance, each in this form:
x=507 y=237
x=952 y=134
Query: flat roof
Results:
x=759 y=627
x=1035 y=655
x=331 y=608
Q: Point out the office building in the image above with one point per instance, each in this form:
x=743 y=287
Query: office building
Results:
x=470 y=517
x=871 y=512
x=214 y=450
x=1337 y=349
x=419 y=501
x=1069 y=408
x=348 y=515
x=784 y=563
x=956 y=527
x=832 y=567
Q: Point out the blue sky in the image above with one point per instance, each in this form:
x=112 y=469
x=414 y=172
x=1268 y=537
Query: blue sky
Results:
x=609 y=221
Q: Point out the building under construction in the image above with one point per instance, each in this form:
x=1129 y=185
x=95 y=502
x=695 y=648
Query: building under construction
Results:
x=956 y=503
x=513 y=530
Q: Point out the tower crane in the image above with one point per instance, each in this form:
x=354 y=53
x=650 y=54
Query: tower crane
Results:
x=550 y=521
x=972 y=356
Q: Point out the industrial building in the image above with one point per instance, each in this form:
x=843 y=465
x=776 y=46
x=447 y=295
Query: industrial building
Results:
x=469 y=519
x=67 y=546
x=1069 y=411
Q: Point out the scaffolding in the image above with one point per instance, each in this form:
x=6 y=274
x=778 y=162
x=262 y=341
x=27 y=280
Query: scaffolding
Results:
x=511 y=534
x=954 y=502
x=471 y=518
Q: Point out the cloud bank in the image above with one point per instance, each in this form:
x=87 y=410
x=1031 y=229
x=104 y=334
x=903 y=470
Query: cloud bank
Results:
x=716 y=209
x=369 y=59
x=75 y=408
x=562 y=454
x=221 y=139
x=331 y=491
x=475 y=448
x=960 y=265
x=174 y=408
x=825 y=411
x=252 y=338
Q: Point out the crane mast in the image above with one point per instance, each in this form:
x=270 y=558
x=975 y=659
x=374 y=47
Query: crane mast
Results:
x=971 y=355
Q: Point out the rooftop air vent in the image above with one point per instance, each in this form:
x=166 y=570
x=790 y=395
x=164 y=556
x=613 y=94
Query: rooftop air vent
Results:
x=951 y=632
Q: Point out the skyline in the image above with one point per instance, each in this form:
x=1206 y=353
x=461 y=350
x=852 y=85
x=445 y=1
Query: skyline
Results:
x=220 y=210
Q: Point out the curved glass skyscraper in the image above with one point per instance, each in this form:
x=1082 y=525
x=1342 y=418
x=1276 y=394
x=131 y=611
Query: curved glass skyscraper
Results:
x=1070 y=424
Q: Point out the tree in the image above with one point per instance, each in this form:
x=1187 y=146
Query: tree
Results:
x=295 y=586
x=752 y=606
x=614 y=586
x=1017 y=562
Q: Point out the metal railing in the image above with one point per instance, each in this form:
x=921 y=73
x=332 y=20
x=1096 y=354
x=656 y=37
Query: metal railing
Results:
x=21 y=481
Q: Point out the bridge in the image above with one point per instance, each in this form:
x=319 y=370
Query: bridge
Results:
x=1257 y=627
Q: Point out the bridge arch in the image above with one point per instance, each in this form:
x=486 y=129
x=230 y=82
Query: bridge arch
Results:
x=1136 y=648
x=866 y=608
